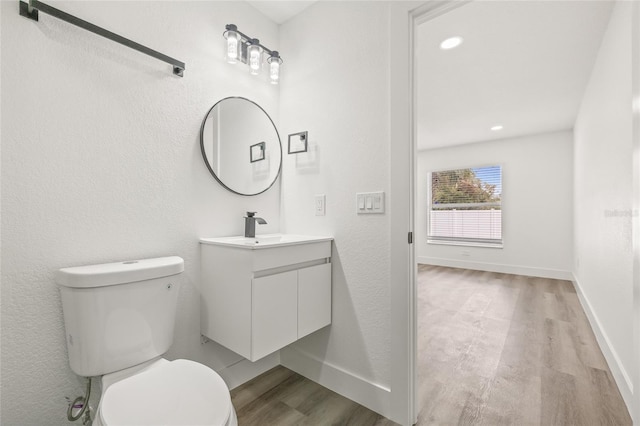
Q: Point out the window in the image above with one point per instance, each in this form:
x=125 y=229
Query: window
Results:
x=465 y=207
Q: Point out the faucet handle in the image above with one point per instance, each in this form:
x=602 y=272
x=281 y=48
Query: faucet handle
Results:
x=251 y=214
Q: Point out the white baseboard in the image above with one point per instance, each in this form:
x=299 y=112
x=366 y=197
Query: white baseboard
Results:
x=245 y=370
x=497 y=267
x=372 y=395
x=620 y=375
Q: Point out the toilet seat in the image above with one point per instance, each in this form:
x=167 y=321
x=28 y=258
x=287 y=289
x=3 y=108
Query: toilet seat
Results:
x=179 y=392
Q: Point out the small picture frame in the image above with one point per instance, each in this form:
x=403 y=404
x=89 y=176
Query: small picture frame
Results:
x=256 y=152
x=298 y=142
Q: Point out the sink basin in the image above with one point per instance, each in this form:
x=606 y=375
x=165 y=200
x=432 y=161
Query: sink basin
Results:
x=264 y=241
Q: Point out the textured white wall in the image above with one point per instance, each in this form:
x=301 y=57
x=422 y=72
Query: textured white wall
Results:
x=537 y=205
x=336 y=87
x=101 y=162
x=603 y=173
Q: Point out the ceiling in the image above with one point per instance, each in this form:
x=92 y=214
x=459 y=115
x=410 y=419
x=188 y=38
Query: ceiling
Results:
x=281 y=11
x=523 y=65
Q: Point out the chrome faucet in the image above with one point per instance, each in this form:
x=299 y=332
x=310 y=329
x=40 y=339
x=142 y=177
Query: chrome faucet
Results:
x=250 y=224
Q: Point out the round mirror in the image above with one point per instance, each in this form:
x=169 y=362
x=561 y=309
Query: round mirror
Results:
x=241 y=146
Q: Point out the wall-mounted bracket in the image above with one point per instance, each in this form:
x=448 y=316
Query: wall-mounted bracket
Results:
x=30 y=10
x=298 y=142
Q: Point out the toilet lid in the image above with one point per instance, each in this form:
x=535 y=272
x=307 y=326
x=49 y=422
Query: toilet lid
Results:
x=179 y=392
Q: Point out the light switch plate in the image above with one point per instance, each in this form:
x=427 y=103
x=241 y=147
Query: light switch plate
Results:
x=320 y=205
x=370 y=202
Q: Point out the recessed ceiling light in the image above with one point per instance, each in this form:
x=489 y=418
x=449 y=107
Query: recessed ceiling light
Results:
x=498 y=127
x=451 y=42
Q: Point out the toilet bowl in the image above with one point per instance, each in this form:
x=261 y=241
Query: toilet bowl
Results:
x=119 y=321
x=162 y=392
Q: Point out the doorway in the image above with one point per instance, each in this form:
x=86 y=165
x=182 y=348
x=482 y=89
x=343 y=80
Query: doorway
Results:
x=452 y=145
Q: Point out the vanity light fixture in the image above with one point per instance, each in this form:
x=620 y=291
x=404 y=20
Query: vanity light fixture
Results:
x=248 y=50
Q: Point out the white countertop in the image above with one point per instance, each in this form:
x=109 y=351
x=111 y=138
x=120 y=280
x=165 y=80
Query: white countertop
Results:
x=264 y=241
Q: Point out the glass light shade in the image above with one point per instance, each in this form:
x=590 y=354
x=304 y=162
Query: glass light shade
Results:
x=274 y=67
x=254 y=55
x=233 y=46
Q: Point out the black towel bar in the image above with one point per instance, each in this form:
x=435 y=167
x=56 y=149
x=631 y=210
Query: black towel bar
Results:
x=30 y=10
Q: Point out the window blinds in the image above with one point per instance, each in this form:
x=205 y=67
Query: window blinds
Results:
x=465 y=206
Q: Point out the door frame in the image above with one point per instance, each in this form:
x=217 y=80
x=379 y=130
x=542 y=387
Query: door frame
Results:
x=404 y=18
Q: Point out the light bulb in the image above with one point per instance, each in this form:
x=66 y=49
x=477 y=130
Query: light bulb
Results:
x=254 y=53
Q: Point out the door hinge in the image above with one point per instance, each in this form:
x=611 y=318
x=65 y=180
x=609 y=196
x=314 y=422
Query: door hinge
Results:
x=410 y=237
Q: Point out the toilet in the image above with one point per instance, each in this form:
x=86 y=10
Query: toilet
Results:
x=119 y=321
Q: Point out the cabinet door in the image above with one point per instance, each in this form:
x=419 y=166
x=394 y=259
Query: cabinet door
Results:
x=274 y=313
x=314 y=298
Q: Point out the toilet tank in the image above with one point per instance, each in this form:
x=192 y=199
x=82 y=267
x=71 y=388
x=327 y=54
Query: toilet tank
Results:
x=117 y=315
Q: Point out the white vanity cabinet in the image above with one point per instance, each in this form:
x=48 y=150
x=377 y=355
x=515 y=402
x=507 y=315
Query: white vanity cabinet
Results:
x=259 y=295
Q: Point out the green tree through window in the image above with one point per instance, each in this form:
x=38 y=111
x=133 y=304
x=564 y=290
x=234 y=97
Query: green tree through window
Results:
x=462 y=186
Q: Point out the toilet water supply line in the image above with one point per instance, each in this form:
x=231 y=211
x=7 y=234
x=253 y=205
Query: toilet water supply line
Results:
x=81 y=402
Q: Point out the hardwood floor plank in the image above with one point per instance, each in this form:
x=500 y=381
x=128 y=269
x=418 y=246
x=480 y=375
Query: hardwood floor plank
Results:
x=559 y=352
x=453 y=402
x=503 y=303
x=522 y=350
x=514 y=398
x=361 y=416
x=260 y=412
x=248 y=392
x=605 y=394
x=334 y=410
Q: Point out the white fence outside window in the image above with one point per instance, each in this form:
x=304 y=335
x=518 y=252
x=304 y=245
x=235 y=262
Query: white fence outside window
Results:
x=467 y=224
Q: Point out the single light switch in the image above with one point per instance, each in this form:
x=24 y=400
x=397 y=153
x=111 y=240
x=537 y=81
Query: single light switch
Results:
x=360 y=202
x=320 y=205
x=369 y=202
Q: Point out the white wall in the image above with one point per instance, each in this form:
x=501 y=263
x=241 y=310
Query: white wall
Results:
x=101 y=162
x=536 y=205
x=336 y=86
x=603 y=200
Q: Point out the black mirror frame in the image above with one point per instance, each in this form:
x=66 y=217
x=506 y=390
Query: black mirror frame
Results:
x=204 y=156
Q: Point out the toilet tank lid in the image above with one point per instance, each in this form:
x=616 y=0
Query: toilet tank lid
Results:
x=119 y=272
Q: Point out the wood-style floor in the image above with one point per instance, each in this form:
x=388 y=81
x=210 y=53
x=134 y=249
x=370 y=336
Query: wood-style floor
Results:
x=281 y=397
x=493 y=349
x=498 y=349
